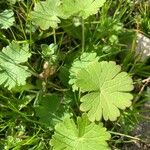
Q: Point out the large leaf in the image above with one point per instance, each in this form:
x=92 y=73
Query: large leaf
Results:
x=79 y=63
x=108 y=89
x=83 y=8
x=12 y=73
x=50 y=109
x=6 y=19
x=46 y=14
x=81 y=136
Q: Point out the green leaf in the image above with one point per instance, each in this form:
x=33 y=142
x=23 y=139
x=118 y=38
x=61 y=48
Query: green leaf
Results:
x=81 y=136
x=46 y=14
x=69 y=8
x=12 y=2
x=108 y=90
x=80 y=63
x=83 y=8
x=51 y=110
x=49 y=50
x=12 y=72
x=6 y=19
x=49 y=53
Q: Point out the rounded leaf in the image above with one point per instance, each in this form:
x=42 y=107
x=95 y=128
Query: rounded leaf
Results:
x=108 y=90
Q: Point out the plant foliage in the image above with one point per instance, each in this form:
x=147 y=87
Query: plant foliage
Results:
x=12 y=71
x=47 y=14
x=60 y=85
x=83 y=135
x=107 y=89
x=6 y=19
x=84 y=8
x=50 y=109
x=80 y=63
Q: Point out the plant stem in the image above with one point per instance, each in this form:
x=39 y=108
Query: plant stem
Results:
x=124 y=135
x=12 y=34
x=146 y=82
x=83 y=35
x=54 y=35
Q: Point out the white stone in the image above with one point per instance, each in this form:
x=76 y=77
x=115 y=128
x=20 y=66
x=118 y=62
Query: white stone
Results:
x=143 y=46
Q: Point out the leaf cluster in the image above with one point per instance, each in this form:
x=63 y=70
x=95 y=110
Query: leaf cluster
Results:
x=70 y=75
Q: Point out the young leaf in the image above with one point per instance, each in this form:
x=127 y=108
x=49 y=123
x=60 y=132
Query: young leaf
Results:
x=81 y=136
x=83 y=8
x=107 y=89
x=49 y=53
x=79 y=63
x=11 y=71
x=46 y=14
x=6 y=19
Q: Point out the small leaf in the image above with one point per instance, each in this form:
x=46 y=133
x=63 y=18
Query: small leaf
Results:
x=46 y=14
x=79 y=63
x=49 y=53
x=11 y=71
x=6 y=19
x=107 y=89
x=81 y=136
x=49 y=50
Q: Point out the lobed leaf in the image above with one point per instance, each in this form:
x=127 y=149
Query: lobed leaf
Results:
x=108 y=90
x=84 y=8
x=6 y=19
x=46 y=14
x=79 y=63
x=81 y=136
x=12 y=72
